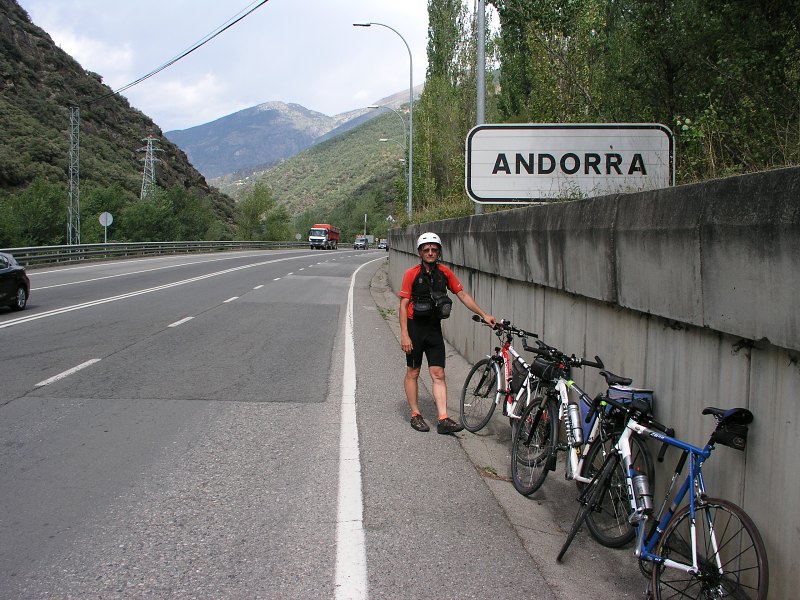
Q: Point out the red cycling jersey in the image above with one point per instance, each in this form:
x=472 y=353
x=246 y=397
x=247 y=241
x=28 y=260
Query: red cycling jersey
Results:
x=410 y=277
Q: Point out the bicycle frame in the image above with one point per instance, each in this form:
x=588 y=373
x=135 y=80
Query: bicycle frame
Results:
x=693 y=484
x=575 y=454
x=504 y=357
x=509 y=354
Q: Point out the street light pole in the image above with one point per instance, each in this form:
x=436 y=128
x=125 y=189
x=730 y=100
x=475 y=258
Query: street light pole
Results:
x=480 y=67
x=403 y=146
x=409 y=205
x=402 y=121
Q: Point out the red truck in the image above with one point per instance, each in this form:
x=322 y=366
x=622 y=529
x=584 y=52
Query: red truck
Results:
x=323 y=235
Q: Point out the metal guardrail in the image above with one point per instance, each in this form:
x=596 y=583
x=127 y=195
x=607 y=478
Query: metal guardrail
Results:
x=49 y=255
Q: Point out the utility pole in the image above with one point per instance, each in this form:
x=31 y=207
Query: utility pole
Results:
x=74 y=199
x=149 y=175
x=480 y=75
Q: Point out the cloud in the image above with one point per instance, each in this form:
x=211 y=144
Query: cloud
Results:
x=301 y=51
x=185 y=103
x=112 y=61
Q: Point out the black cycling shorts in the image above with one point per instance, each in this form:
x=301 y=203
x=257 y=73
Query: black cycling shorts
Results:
x=426 y=338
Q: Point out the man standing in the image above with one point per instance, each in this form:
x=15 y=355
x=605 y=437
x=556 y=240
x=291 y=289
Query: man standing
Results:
x=421 y=328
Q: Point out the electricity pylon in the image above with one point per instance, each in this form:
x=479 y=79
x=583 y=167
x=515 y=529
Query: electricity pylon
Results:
x=74 y=200
x=149 y=175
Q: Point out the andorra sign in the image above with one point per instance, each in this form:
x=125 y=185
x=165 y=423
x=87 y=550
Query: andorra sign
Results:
x=529 y=162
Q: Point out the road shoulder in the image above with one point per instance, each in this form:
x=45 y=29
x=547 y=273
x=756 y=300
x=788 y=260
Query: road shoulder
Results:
x=542 y=520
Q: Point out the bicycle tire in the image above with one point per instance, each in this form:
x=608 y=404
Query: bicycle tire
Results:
x=596 y=486
x=608 y=523
x=533 y=443
x=741 y=552
x=477 y=398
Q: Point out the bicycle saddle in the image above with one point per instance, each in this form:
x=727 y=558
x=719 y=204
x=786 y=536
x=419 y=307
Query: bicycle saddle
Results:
x=737 y=416
x=612 y=379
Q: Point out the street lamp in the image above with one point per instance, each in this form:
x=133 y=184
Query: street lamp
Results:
x=409 y=205
x=403 y=146
x=402 y=121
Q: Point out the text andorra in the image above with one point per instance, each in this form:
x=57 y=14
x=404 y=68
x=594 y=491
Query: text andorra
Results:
x=590 y=163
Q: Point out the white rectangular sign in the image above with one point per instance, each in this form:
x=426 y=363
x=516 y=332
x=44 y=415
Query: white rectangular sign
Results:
x=529 y=162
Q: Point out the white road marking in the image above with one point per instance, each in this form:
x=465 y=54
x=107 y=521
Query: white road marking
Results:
x=67 y=373
x=95 y=265
x=351 y=556
x=231 y=299
x=66 y=309
x=258 y=287
x=181 y=322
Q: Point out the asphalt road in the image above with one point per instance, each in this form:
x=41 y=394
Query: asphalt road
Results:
x=178 y=427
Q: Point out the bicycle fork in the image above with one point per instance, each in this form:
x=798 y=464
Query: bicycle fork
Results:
x=537 y=417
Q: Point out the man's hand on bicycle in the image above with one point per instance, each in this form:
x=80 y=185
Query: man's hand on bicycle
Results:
x=489 y=320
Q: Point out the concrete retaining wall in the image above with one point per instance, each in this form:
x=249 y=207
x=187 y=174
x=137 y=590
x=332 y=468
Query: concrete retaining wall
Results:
x=690 y=291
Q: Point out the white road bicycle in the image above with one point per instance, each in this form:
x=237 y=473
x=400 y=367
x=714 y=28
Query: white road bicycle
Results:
x=536 y=440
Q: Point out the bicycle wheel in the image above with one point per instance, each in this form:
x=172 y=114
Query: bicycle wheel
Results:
x=590 y=498
x=737 y=546
x=480 y=394
x=608 y=523
x=533 y=443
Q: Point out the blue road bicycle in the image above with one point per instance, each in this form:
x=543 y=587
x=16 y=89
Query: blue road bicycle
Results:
x=704 y=548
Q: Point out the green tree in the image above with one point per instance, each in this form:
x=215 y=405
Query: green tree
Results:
x=278 y=224
x=516 y=85
x=730 y=92
x=252 y=211
x=151 y=220
x=97 y=200
x=8 y=224
x=444 y=113
x=193 y=216
x=36 y=216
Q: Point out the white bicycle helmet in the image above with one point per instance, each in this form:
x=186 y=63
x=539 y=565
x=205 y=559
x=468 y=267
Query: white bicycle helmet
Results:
x=428 y=238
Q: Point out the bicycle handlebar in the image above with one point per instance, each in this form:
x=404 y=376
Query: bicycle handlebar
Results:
x=636 y=410
x=554 y=354
x=504 y=325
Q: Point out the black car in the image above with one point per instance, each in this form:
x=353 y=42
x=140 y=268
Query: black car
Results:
x=15 y=287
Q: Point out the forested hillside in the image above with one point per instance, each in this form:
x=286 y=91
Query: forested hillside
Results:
x=724 y=75
x=339 y=180
x=39 y=84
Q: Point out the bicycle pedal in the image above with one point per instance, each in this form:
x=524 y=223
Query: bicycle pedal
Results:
x=551 y=463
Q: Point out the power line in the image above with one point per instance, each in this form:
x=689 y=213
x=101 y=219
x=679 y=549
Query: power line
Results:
x=247 y=10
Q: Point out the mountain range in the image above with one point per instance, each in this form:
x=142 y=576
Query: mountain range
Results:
x=256 y=138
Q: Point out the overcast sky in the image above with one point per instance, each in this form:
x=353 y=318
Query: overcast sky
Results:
x=301 y=51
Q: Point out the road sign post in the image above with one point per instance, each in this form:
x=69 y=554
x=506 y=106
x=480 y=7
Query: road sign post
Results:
x=105 y=220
